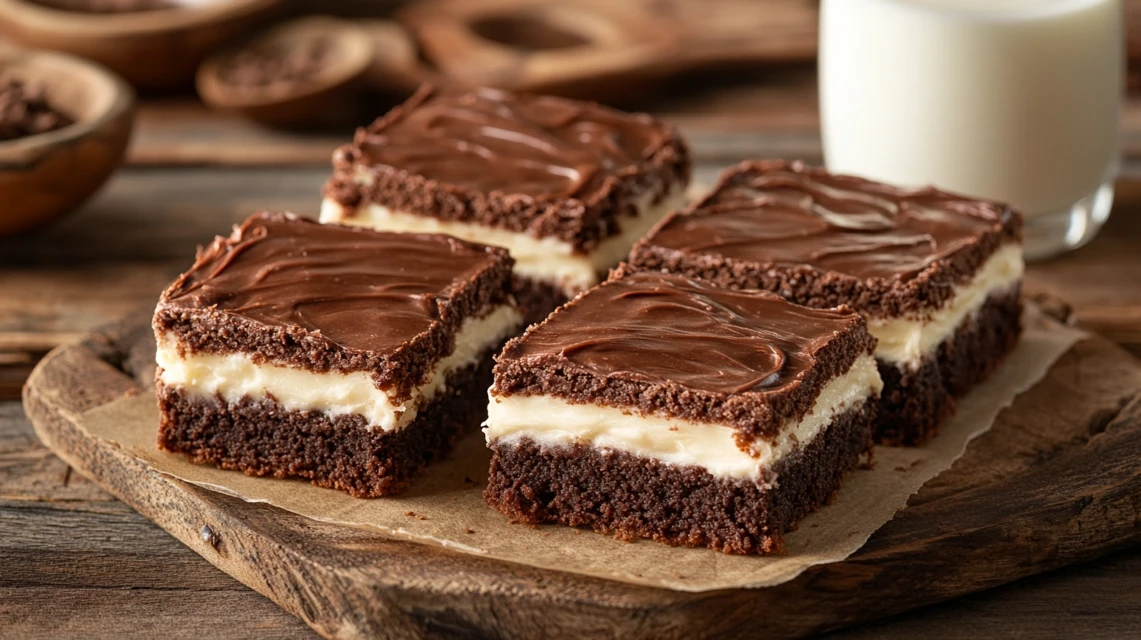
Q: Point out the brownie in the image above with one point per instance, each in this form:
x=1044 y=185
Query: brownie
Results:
x=566 y=186
x=352 y=311
x=293 y=292
x=554 y=167
x=892 y=254
x=656 y=347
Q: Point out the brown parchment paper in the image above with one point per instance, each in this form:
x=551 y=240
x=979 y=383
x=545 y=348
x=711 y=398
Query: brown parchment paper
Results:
x=447 y=499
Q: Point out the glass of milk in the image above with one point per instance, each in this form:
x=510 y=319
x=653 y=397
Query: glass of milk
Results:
x=1010 y=100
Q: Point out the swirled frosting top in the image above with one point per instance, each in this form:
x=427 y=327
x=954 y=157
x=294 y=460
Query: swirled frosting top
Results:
x=490 y=140
x=659 y=328
x=789 y=214
x=364 y=290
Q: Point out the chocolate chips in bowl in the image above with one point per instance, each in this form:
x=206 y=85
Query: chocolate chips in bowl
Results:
x=64 y=127
x=25 y=110
x=271 y=67
x=300 y=74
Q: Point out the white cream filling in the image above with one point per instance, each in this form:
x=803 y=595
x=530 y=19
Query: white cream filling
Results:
x=553 y=422
x=236 y=375
x=546 y=259
x=907 y=341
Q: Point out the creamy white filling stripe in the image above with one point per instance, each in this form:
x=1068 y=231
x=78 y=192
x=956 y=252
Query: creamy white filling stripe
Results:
x=553 y=422
x=236 y=375
x=545 y=259
x=906 y=341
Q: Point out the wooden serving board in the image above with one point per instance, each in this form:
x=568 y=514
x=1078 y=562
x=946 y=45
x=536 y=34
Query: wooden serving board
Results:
x=1056 y=481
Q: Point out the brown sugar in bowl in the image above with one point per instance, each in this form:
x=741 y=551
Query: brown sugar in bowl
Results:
x=154 y=49
x=45 y=175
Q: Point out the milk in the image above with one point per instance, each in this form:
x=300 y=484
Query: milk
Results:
x=1013 y=100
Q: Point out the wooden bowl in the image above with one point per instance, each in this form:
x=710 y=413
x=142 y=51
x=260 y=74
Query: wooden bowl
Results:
x=154 y=50
x=47 y=175
x=333 y=88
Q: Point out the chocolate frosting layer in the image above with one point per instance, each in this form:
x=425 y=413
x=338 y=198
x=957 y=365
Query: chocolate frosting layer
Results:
x=544 y=166
x=790 y=214
x=362 y=290
x=656 y=329
x=491 y=140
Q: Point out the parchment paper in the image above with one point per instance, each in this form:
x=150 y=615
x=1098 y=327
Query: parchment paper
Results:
x=445 y=506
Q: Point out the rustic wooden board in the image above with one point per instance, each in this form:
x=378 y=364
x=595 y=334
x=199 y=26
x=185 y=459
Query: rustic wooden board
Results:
x=1055 y=482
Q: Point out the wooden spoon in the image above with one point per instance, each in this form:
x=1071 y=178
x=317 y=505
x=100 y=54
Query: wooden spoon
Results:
x=157 y=49
x=46 y=175
x=315 y=98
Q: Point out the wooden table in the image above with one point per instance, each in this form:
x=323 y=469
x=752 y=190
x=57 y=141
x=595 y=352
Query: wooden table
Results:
x=75 y=561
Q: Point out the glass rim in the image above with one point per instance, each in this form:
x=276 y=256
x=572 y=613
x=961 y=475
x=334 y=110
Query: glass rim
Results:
x=1035 y=11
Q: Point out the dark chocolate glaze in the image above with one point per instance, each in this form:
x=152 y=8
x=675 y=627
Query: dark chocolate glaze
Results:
x=789 y=214
x=490 y=140
x=658 y=328
x=361 y=289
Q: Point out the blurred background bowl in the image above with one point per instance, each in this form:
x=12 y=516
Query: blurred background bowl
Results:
x=47 y=175
x=157 y=49
x=333 y=83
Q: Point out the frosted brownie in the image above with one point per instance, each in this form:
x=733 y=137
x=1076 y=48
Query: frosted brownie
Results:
x=937 y=275
x=346 y=356
x=661 y=407
x=566 y=186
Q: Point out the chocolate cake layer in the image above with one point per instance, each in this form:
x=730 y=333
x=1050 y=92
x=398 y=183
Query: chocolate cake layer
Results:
x=632 y=497
x=915 y=402
x=993 y=330
x=671 y=346
x=325 y=298
x=536 y=299
x=822 y=240
x=549 y=167
x=262 y=438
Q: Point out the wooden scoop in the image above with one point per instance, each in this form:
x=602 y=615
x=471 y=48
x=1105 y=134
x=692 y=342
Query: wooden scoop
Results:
x=371 y=56
x=306 y=92
x=46 y=175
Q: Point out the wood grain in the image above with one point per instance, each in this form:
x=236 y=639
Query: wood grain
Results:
x=1059 y=484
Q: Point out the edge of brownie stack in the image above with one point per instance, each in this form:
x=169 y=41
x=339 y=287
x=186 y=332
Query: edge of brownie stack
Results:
x=346 y=356
x=566 y=186
x=662 y=407
x=936 y=274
